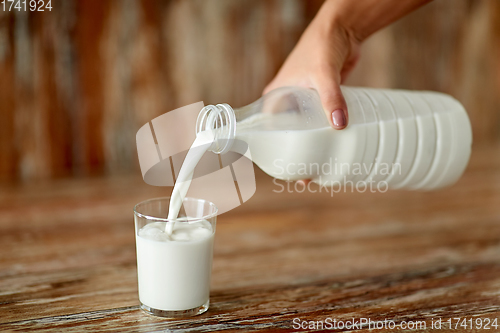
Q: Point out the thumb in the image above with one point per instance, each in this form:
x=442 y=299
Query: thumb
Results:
x=333 y=103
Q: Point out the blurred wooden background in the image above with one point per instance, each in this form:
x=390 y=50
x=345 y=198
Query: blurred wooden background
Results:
x=77 y=82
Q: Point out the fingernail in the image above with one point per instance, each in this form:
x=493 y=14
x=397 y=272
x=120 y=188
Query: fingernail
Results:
x=338 y=118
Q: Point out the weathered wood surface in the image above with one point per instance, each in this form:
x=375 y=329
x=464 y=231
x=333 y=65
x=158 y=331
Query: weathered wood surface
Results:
x=67 y=255
x=76 y=83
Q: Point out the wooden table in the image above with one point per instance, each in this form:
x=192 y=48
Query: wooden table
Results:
x=68 y=256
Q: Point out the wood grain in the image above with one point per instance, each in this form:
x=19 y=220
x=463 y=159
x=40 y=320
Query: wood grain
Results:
x=77 y=83
x=67 y=255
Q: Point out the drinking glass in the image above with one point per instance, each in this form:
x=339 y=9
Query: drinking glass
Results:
x=174 y=257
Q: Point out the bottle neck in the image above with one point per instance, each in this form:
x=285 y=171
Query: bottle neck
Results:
x=221 y=121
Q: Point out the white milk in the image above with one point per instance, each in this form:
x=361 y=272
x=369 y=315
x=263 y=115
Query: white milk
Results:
x=294 y=154
x=177 y=265
x=174 y=259
x=198 y=148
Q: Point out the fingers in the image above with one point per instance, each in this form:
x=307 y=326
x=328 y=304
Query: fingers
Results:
x=333 y=102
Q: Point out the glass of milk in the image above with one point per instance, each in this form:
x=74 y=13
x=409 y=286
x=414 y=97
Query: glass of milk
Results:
x=174 y=257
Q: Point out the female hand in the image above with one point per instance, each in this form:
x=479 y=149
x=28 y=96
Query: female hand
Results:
x=321 y=60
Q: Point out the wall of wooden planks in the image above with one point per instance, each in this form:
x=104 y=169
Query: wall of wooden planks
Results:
x=77 y=82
